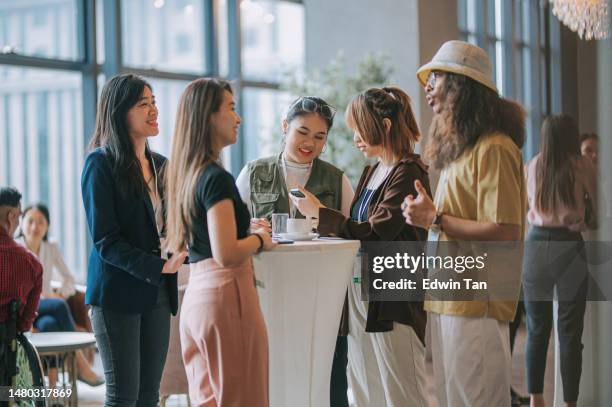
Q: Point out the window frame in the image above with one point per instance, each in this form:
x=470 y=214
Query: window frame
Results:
x=90 y=69
x=526 y=57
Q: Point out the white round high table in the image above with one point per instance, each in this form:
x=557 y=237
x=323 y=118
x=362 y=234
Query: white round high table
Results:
x=301 y=289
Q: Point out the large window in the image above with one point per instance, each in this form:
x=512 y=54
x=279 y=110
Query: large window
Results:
x=263 y=108
x=164 y=35
x=41 y=148
x=272 y=47
x=516 y=35
x=272 y=38
x=40 y=28
x=53 y=64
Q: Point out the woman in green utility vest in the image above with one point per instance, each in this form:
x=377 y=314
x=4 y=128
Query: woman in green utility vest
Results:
x=264 y=183
x=264 y=186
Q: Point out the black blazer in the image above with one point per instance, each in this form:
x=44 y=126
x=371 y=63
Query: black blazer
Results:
x=124 y=270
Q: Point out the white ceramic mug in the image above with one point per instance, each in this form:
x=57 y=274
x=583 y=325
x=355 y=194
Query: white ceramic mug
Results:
x=299 y=226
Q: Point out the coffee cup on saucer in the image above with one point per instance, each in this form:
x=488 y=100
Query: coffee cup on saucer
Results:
x=299 y=226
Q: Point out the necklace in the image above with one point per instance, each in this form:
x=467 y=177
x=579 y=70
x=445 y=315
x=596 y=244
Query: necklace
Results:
x=308 y=167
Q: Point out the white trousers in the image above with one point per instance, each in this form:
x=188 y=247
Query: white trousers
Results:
x=384 y=368
x=471 y=361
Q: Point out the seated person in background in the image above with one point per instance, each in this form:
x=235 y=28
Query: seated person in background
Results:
x=20 y=272
x=589 y=148
x=34 y=235
x=54 y=314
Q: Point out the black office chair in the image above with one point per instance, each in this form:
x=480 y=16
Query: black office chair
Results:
x=20 y=365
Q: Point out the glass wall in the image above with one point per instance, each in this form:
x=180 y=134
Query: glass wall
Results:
x=164 y=35
x=41 y=148
x=40 y=28
x=515 y=33
x=272 y=39
x=272 y=47
x=53 y=63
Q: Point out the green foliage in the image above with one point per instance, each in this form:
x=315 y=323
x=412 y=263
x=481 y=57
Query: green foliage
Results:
x=337 y=86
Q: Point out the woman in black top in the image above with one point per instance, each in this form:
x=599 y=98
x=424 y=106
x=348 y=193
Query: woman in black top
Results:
x=130 y=287
x=223 y=336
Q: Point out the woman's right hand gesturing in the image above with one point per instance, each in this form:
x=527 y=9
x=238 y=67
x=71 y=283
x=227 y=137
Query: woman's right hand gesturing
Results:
x=173 y=263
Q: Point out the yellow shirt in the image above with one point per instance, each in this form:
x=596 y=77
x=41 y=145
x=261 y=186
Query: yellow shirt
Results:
x=486 y=184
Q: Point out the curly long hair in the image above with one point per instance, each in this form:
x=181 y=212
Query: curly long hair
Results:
x=473 y=111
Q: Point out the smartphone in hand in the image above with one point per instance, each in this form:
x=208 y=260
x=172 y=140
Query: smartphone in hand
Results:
x=297 y=193
x=283 y=241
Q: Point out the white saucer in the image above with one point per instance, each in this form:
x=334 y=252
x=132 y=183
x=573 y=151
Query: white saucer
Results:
x=299 y=236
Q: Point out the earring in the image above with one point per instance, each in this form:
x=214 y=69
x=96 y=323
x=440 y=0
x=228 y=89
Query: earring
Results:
x=324 y=149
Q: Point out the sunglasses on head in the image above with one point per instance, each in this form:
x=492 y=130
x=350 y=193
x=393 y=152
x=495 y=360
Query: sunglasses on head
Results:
x=310 y=105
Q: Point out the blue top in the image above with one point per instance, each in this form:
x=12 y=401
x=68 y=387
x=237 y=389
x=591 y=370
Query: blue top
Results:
x=359 y=211
x=124 y=270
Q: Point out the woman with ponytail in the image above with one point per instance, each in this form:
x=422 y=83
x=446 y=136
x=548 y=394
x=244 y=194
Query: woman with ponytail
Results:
x=386 y=339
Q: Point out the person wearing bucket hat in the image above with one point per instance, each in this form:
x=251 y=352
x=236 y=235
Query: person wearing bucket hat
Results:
x=475 y=140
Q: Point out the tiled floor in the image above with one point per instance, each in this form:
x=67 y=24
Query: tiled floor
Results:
x=94 y=397
x=518 y=371
x=518 y=367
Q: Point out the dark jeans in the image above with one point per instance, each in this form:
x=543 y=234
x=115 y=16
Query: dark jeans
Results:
x=554 y=259
x=133 y=348
x=54 y=316
x=339 y=383
x=516 y=323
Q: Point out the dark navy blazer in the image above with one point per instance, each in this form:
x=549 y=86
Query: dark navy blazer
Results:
x=124 y=271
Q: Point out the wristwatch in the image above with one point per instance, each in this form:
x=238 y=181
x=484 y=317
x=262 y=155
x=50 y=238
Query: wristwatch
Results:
x=436 y=225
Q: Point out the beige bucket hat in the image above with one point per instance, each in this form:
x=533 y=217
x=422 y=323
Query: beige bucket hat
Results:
x=462 y=58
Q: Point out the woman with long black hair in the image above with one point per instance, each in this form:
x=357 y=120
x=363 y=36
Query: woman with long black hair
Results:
x=132 y=290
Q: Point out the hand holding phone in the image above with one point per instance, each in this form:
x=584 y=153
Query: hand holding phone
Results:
x=297 y=193
x=283 y=241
